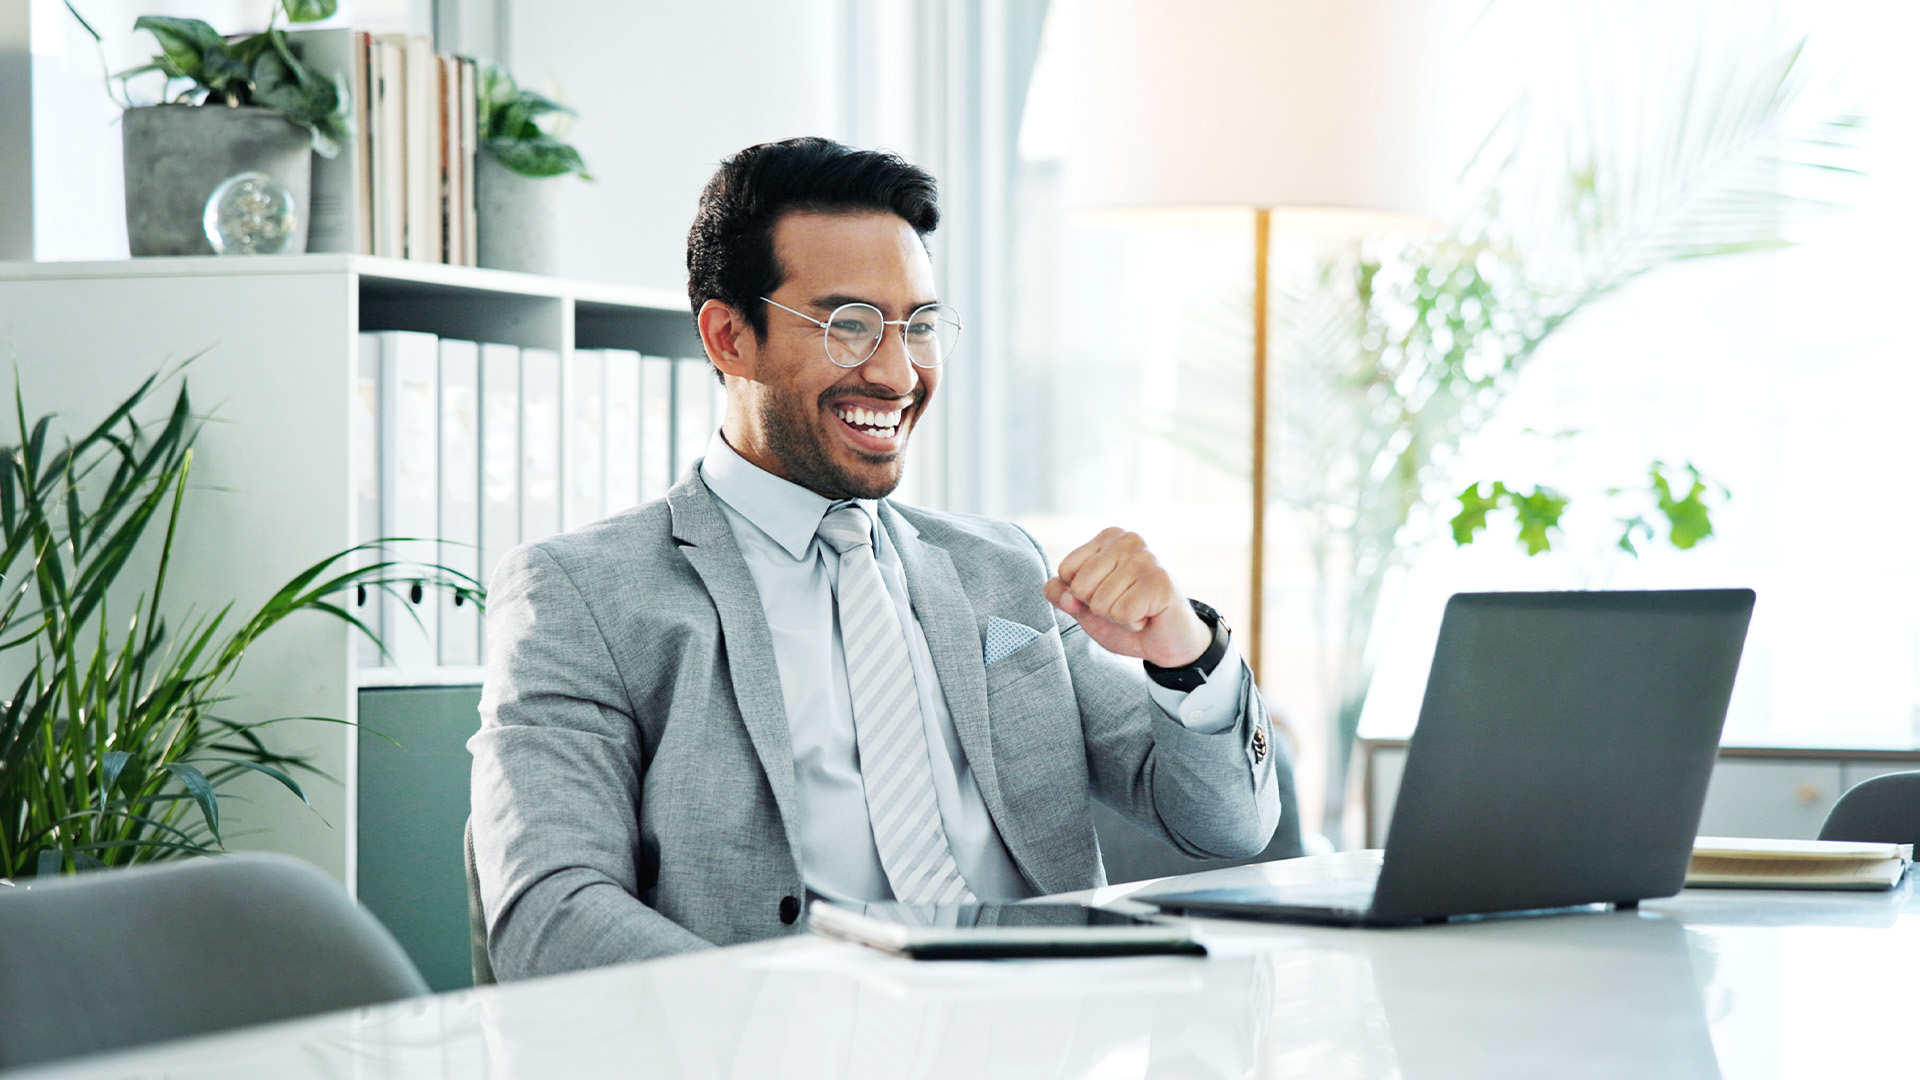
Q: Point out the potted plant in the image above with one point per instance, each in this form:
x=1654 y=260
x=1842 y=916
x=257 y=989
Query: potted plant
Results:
x=116 y=736
x=228 y=106
x=518 y=159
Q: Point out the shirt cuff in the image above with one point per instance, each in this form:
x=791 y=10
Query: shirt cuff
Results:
x=1211 y=707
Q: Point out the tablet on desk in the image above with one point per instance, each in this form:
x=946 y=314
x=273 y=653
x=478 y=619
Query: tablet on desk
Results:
x=1000 y=931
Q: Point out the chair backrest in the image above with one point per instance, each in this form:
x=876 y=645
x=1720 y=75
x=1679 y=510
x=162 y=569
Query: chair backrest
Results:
x=1885 y=810
x=116 y=958
x=476 y=921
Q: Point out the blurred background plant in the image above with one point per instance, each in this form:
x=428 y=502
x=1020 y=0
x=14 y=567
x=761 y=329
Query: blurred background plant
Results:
x=115 y=736
x=1391 y=352
x=511 y=127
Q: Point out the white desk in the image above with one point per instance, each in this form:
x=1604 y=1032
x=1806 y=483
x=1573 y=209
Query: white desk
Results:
x=1708 y=984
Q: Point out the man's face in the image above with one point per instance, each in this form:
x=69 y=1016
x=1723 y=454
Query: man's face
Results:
x=841 y=432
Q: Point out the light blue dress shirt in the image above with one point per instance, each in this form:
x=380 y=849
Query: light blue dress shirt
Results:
x=774 y=524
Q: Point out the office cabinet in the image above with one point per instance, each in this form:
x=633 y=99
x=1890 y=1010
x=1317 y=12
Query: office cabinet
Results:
x=273 y=343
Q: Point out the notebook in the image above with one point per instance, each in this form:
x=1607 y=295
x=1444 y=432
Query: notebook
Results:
x=1561 y=759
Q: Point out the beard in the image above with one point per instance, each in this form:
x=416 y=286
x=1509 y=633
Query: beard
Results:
x=801 y=448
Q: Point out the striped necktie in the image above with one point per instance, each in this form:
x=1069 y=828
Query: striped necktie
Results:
x=887 y=726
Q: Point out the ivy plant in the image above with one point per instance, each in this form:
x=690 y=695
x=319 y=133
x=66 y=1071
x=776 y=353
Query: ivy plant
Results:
x=255 y=69
x=1686 y=515
x=510 y=128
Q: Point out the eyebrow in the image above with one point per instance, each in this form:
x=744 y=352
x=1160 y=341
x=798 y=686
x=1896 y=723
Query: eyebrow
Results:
x=828 y=303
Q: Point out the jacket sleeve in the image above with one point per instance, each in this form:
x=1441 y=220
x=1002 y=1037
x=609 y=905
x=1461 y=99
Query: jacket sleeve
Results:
x=557 y=774
x=1211 y=795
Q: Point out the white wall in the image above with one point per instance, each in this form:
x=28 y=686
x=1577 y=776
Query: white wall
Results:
x=665 y=90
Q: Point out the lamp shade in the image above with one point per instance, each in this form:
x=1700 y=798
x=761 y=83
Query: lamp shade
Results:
x=1323 y=111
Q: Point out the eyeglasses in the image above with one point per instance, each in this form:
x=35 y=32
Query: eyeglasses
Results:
x=853 y=332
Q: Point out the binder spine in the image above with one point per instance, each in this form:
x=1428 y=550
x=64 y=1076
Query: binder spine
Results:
x=366 y=453
x=459 y=547
x=540 y=443
x=585 y=438
x=410 y=373
x=622 y=429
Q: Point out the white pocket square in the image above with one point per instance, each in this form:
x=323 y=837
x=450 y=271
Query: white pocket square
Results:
x=1005 y=637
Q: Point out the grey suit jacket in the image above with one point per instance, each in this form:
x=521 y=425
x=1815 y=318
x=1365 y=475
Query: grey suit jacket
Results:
x=633 y=783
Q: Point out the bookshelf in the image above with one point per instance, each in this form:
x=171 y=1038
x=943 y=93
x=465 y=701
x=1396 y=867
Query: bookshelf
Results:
x=272 y=492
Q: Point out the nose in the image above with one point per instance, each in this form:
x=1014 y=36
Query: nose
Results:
x=889 y=367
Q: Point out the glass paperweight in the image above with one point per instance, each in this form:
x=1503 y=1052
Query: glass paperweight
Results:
x=250 y=213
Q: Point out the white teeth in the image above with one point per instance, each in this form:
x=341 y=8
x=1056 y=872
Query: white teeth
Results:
x=887 y=422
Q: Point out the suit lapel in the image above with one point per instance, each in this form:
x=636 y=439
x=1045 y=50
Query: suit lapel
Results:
x=707 y=543
x=953 y=636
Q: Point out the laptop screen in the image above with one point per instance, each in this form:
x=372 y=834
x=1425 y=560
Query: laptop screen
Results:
x=1563 y=750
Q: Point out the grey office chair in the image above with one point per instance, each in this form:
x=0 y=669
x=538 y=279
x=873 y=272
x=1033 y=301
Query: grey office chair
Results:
x=116 y=958
x=1885 y=810
x=476 y=921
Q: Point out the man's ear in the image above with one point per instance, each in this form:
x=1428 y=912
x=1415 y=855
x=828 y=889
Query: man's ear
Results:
x=728 y=338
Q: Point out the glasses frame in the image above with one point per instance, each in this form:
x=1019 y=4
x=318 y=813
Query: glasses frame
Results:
x=826 y=328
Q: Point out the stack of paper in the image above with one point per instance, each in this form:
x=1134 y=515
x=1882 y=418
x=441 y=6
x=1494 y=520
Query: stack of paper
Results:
x=1732 y=862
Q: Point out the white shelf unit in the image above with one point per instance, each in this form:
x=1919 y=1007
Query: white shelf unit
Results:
x=276 y=341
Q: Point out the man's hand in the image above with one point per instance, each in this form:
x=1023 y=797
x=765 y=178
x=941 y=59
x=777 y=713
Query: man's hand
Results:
x=1127 y=602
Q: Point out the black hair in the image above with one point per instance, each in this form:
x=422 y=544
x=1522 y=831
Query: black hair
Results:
x=730 y=254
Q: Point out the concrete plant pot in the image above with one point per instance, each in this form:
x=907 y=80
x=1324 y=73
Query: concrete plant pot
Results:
x=177 y=154
x=519 y=217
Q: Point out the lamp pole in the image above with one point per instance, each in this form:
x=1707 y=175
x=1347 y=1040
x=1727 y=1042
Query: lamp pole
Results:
x=1256 y=599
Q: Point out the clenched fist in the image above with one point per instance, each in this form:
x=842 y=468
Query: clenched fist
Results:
x=1127 y=602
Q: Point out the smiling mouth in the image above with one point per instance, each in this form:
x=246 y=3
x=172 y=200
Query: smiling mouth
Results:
x=879 y=423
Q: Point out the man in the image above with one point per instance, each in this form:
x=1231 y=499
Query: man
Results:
x=777 y=683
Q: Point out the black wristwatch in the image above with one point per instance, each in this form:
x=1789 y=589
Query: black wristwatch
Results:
x=1194 y=675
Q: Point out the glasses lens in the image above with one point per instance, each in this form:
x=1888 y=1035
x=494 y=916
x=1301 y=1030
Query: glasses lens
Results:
x=853 y=333
x=931 y=333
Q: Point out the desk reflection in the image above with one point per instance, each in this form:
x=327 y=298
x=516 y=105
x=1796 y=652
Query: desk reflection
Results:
x=1613 y=994
x=847 y=1013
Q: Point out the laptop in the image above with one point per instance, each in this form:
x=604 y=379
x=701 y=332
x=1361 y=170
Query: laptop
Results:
x=1561 y=759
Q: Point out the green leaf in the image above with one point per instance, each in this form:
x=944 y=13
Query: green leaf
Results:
x=184 y=45
x=111 y=763
x=1538 y=512
x=1474 y=508
x=196 y=784
x=282 y=83
x=50 y=863
x=286 y=781
x=1688 y=521
x=537 y=157
x=309 y=10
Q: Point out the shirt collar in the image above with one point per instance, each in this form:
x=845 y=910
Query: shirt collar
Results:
x=788 y=513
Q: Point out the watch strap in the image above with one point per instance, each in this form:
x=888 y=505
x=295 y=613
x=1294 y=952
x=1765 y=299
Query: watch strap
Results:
x=1193 y=676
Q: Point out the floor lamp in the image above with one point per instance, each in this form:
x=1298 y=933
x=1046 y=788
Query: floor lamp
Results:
x=1318 y=116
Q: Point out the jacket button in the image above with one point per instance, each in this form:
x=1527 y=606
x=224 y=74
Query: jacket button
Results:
x=789 y=909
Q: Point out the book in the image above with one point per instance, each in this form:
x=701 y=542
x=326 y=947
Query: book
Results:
x=459 y=535
x=447 y=156
x=338 y=214
x=388 y=165
x=469 y=146
x=1729 y=862
x=422 y=144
